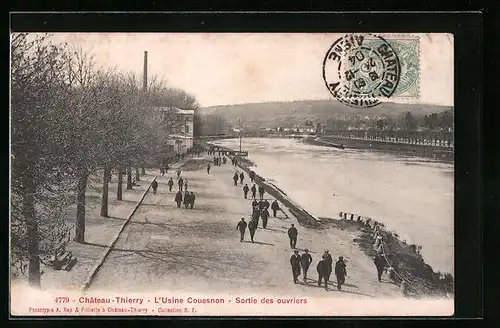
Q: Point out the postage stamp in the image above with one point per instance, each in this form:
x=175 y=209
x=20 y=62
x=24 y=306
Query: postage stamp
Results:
x=361 y=70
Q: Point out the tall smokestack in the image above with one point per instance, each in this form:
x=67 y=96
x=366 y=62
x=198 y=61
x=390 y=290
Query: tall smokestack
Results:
x=145 y=77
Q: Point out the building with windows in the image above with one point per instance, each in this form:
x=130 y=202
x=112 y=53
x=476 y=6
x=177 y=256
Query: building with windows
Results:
x=180 y=126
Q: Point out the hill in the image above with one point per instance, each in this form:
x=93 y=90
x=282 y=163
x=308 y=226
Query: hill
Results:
x=270 y=114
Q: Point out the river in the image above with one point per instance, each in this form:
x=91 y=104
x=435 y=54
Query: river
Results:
x=412 y=196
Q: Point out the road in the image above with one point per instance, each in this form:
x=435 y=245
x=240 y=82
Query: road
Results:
x=181 y=250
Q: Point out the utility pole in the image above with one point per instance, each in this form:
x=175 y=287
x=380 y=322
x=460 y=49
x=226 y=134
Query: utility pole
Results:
x=239 y=123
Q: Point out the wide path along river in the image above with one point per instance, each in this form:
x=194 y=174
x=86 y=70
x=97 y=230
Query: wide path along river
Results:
x=413 y=196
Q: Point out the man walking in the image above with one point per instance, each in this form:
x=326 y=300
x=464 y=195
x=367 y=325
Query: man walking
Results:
x=305 y=261
x=185 y=184
x=241 y=226
x=170 y=184
x=235 y=178
x=180 y=182
x=380 y=265
x=154 y=185
x=295 y=264
x=322 y=273
x=261 y=192
x=275 y=207
x=292 y=234
x=340 y=272
x=187 y=198
x=252 y=227
x=264 y=214
x=191 y=200
x=245 y=190
x=252 y=176
x=254 y=191
x=178 y=198
x=242 y=177
x=208 y=168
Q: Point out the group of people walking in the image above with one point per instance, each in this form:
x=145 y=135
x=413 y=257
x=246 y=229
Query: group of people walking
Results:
x=188 y=199
x=324 y=268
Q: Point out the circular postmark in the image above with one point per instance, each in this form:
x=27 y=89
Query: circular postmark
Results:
x=361 y=69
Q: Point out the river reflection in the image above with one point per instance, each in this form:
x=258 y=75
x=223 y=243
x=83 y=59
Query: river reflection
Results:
x=413 y=196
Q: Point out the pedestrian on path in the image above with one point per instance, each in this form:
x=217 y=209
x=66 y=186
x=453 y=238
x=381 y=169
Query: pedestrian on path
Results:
x=170 y=184
x=265 y=204
x=154 y=185
x=340 y=272
x=162 y=170
x=323 y=273
x=245 y=191
x=185 y=184
x=254 y=203
x=275 y=207
x=178 y=198
x=252 y=176
x=208 y=168
x=180 y=183
x=254 y=191
x=241 y=226
x=242 y=177
x=256 y=213
x=178 y=173
x=264 y=214
x=292 y=234
x=186 y=199
x=380 y=265
x=235 y=178
x=305 y=262
x=252 y=227
x=261 y=192
x=327 y=258
x=191 y=199
x=295 y=264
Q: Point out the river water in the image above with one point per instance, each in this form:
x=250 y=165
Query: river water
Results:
x=413 y=196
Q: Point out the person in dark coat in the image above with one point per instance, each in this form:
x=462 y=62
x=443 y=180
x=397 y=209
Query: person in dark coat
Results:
x=178 y=198
x=266 y=204
x=380 y=264
x=187 y=199
x=305 y=262
x=180 y=183
x=242 y=177
x=191 y=200
x=322 y=273
x=261 y=192
x=292 y=234
x=245 y=191
x=264 y=214
x=253 y=190
x=252 y=176
x=170 y=184
x=185 y=184
x=162 y=171
x=261 y=205
x=208 y=168
x=254 y=203
x=252 y=227
x=256 y=214
x=340 y=272
x=235 y=178
x=295 y=263
x=154 y=185
x=328 y=259
x=178 y=174
x=241 y=226
x=275 y=207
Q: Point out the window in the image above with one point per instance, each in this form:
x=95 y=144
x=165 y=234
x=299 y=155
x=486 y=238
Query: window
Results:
x=187 y=128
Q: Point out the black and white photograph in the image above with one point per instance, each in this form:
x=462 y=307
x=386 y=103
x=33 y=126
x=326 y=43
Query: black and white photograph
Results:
x=232 y=174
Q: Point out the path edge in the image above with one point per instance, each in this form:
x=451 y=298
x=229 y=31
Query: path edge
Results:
x=91 y=276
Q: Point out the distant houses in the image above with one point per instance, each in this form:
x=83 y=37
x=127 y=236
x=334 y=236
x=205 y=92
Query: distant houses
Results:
x=180 y=126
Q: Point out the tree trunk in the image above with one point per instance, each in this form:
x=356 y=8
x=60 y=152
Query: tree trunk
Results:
x=143 y=171
x=119 y=188
x=137 y=175
x=33 y=239
x=104 y=197
x=80 y=208
x=129 y=178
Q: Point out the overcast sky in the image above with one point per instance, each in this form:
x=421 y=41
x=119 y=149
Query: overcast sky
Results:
x=223 y=69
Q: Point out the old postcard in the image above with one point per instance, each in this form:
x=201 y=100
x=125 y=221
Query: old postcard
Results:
x=232 y=174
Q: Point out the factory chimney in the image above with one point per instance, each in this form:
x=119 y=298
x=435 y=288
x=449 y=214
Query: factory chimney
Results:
x=145 y=77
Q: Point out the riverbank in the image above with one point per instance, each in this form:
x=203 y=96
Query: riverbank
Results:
x=440 y=153
x=404 y=258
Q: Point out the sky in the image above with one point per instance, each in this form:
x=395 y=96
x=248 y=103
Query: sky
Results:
x=235 y=68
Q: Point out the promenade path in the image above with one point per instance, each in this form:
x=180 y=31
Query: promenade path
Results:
x=165 y=248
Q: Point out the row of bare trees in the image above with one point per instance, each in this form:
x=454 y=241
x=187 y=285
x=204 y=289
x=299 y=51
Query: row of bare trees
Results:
x=71 y=120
